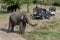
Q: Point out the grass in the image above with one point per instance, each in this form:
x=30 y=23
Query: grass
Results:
x=46 y=33
x=50 y=30
x=42 y=36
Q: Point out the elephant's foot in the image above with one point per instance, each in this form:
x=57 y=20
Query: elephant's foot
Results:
x=21 y=32
x=8 y=31
x=12 y=30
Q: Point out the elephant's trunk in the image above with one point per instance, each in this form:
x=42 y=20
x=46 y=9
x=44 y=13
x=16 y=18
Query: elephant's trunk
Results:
x=27 y=18
x=30 y=22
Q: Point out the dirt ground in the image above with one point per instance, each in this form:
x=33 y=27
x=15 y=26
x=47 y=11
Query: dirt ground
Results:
x=14 y=35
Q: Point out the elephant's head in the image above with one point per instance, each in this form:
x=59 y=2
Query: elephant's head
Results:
x=29 y=20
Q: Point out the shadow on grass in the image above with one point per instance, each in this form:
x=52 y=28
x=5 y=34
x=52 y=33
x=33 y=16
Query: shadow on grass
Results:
x=6 y=30
x=2 y=29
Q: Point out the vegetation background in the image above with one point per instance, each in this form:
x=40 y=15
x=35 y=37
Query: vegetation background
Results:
x=46 y=29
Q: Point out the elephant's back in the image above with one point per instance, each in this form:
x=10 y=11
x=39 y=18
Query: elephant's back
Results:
x=16 y=16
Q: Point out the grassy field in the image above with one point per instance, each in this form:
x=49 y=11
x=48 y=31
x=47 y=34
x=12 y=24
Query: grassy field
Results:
x=48 y=30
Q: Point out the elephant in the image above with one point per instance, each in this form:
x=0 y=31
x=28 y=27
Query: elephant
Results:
x=13 y=7
x=21 y=19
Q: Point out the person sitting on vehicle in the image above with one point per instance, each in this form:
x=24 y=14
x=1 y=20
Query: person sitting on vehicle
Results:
x=40 y=9
x=45 y=13
x=37 y=9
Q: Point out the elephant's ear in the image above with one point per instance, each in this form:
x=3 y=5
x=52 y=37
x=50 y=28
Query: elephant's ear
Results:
x=22 y=17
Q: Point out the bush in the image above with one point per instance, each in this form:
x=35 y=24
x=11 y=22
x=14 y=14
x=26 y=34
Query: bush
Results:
x=3 y=6
x=56 y=4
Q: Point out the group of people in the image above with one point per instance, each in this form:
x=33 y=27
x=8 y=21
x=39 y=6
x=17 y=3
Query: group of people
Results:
x=45 y=13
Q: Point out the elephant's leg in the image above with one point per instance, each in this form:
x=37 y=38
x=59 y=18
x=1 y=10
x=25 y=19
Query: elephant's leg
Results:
x=9 y=28
x=20 y=28
x=15 y=9
x=11 y=10
x=12 y=28
x=23 y=27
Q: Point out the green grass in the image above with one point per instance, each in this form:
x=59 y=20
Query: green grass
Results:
x=42 y=35
x=4 y=15
x=45 y=33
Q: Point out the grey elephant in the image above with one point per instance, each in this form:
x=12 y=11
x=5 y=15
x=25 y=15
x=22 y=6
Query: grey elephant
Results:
x=21 y=19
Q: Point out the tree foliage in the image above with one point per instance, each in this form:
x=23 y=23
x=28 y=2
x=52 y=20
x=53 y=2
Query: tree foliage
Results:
x=29 y=1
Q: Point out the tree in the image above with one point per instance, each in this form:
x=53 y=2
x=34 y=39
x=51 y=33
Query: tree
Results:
x=28 y=2
x=9 y=2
